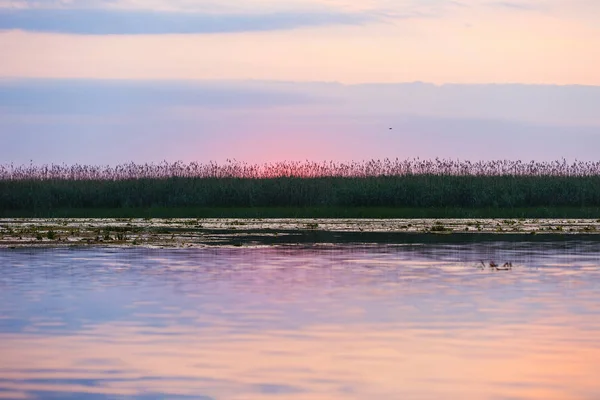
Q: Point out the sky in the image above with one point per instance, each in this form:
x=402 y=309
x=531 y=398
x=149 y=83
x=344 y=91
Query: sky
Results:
x=111 y=81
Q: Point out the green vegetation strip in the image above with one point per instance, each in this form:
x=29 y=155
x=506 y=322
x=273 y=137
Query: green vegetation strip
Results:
x=305 y=212
x=415 y=195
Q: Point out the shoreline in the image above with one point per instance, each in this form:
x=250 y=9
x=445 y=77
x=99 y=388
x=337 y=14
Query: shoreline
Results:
x=203 y=232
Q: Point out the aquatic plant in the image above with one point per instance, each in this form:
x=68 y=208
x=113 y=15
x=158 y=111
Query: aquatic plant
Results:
x=376 y=183
x=438 y=227
x=300 y=169
x=507 y=266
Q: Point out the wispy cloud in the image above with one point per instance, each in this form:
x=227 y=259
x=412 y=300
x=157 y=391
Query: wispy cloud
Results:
x=90 y=97
x=137 y=22
x=539 y=104
x=514 y=5
x=400 y=7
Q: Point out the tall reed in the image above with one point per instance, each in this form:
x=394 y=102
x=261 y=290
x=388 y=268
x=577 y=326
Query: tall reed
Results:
x=381 y=183
x=305 y=169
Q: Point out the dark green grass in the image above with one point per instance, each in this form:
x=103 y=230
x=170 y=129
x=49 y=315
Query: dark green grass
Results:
x=411 y=196
x=308 y=212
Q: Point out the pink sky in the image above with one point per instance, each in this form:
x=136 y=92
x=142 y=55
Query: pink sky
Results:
x=468 y=41
x=257 y=43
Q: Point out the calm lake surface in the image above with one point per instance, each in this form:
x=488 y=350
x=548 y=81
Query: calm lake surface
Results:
x=342 y=321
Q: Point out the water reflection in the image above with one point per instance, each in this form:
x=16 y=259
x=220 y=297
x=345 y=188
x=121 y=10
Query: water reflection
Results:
x=319 y=322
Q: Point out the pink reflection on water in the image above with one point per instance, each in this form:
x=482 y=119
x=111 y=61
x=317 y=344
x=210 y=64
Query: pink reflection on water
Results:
x=321 y=362
x=297 y=323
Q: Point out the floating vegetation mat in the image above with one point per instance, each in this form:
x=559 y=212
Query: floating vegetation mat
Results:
x=246 y=232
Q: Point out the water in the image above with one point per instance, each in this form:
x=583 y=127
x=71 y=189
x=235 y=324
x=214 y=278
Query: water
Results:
x=342 y=321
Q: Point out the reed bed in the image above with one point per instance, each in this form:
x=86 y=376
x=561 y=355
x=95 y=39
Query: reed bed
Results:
x=375 y=183
x=302 y=169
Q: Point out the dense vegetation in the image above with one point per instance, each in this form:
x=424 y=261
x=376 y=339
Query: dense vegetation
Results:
x=416 y=184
